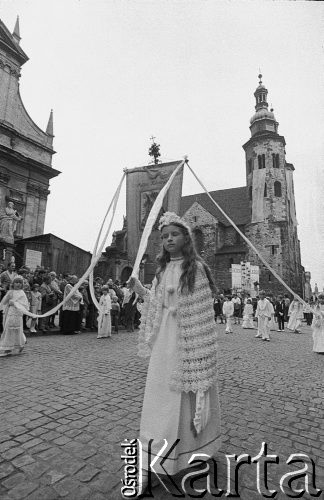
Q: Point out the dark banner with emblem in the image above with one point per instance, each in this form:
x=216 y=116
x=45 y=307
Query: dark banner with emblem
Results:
x=142 y=187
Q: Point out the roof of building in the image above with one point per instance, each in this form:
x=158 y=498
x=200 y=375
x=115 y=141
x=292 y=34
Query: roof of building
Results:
x=46 y=238
x=233 y=201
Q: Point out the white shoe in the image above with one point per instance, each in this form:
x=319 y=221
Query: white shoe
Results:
x=258 y=336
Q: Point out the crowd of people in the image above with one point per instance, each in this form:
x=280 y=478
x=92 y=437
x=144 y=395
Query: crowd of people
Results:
x=118 y=306
x=44 y=290
x=178 y=315
x=232 y=309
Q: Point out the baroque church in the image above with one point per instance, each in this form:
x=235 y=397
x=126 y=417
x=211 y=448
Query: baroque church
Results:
x=26 y=153
x=25 y=150
x=263 y=209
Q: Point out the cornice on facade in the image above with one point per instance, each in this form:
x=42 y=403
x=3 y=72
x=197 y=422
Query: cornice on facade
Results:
x=264 y=135
x=25 y=162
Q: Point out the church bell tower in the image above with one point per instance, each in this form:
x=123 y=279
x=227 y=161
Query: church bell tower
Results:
x=269 y=179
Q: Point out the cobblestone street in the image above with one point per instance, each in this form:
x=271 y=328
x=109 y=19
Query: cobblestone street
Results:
x=69 y=401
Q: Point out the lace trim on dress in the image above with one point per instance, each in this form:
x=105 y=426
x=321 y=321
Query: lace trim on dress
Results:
x=197 y=346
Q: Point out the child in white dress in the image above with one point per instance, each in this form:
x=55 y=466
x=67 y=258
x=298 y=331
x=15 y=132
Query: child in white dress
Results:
x=35 y=305
x=318 y=325
x=228 y=311
x=13 y=339
x=178 y=333
x=248 y=315
x=104 y=318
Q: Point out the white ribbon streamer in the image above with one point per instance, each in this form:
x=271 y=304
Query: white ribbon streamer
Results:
x=114 y=203
x=90 y=268
x=249 y=242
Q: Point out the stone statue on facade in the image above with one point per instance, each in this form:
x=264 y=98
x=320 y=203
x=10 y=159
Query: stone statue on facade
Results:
x=8 y=223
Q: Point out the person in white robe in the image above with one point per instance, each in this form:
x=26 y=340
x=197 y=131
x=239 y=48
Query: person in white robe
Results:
x=13 y=305
x=263 y=313
x=318 y=325
x=272 y=323
x=248 y=315
x=228 y=312
x=296 y=315
x=180 y=413
x=104 y=317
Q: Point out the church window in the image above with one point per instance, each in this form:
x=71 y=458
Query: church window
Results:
x=261 y=161
x=275 y=160
x=273 y=249
x=277 y=189
x=250 y=193
x=249 y=165
x=265 y=194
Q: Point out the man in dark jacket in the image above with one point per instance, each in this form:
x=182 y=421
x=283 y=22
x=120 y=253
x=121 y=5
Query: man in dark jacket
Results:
x=281 y=311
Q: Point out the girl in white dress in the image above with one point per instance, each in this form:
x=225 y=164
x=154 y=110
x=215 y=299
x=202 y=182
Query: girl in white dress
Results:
x=296 y=315
x=104 y=317
x=13 y=339
x=228 y=312
x=35 y=305
x=318 y=325
x=178 y=333
x=248 y=315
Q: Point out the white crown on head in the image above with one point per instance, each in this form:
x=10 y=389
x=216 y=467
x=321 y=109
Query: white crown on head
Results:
x=172 y=218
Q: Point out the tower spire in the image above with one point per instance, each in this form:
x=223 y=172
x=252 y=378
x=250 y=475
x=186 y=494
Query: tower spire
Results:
x=16 y=31
x=263 y=120
x=49 y=128
x=261 y=95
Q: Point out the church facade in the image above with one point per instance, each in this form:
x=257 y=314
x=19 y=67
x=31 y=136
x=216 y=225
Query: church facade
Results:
x=26 y=151
x=264 y=210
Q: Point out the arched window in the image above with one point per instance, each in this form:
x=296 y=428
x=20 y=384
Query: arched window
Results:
x=249 y=165
x=265 y=194
x=275 y=160
x=199 y=240
x=277 y=189
x=250 y=193
x=261 y=161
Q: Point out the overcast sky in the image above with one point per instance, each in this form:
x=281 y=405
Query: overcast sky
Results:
x=116 y=72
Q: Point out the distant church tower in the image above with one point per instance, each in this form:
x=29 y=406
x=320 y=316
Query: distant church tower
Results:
x=269 y=179
x=25 y=150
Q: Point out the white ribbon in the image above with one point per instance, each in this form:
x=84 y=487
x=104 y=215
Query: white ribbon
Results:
x=93 y=264
x=114 y=203
x=249 y=242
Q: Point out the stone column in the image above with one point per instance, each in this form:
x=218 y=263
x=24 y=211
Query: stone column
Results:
x=4 y=179
x=43 y=193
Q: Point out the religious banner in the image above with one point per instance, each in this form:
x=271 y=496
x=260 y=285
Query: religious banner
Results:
x=143 y=184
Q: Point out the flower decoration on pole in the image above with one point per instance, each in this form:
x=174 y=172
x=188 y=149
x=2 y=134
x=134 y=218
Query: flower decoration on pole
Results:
x=154 y=151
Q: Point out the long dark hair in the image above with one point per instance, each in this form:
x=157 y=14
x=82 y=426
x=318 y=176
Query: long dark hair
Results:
x=189 y=264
